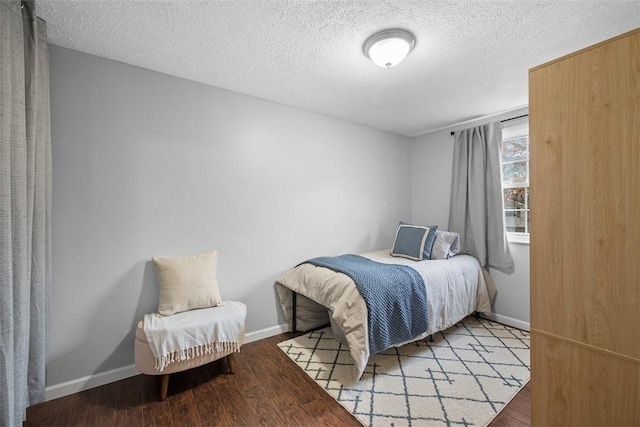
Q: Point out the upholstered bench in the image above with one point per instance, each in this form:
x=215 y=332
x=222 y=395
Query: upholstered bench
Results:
x=146 y=362
x=192 y=326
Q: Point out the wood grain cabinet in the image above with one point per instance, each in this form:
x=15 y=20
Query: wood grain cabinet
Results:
x=584 y=119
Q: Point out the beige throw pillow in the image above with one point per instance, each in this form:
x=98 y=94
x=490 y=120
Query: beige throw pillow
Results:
x=187 y=283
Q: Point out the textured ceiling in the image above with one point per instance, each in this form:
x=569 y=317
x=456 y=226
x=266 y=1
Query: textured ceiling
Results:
x=471 y=58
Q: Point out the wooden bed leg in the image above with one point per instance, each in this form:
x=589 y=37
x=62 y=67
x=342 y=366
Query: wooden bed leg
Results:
x=164 y=386
x=293 y=321
x=431 y=338
x=476 y=314
x=232 y=363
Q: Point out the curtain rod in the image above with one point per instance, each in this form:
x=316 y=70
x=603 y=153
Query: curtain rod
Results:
x=505 y=120
x=513 y=118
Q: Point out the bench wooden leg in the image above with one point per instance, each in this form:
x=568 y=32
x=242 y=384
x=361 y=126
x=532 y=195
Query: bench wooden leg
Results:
x=164 y=387
x=232 y=363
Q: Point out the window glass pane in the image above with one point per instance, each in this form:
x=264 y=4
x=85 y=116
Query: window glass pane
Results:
x=515 y=149
x=515 y=221
x=514 y=172
x=515 y=176
x=514 y=198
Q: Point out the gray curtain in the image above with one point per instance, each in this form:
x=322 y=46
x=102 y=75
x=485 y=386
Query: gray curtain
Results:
x=477 y=208
x=25 y=209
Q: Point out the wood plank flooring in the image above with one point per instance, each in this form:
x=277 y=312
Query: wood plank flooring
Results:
x=266 y=390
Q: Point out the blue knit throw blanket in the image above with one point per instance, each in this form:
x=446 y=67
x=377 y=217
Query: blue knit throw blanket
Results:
x=395 y=296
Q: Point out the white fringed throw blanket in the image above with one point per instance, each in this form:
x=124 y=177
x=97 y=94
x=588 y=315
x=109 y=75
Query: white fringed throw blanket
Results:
x=189 y=334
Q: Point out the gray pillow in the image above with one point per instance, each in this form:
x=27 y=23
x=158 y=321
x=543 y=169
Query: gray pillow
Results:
x=446 y=244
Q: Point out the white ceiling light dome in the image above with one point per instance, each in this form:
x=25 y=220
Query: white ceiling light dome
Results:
x=389 y=47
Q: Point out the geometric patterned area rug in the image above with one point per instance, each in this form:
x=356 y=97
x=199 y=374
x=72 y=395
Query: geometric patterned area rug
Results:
x=465 y=377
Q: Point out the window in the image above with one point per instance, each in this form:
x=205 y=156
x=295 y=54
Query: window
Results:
x=515 y=179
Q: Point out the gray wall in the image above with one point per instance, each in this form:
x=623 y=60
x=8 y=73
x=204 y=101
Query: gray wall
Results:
x=431 y=170
x=145 y=165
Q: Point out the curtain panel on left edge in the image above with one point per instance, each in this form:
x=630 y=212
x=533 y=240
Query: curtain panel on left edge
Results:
x=25 y=209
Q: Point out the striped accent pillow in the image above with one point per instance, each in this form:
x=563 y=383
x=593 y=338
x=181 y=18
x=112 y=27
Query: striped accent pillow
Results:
x=445 y=245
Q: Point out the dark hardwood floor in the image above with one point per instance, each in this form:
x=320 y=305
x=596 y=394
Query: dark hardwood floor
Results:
x=267 y=389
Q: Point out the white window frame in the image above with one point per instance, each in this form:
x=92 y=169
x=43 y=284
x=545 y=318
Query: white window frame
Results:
x=511 y=130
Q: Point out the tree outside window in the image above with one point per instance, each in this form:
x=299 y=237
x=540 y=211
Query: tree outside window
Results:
x=515 y=179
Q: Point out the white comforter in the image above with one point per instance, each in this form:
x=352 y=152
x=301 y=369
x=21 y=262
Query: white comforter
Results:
x=455 y=288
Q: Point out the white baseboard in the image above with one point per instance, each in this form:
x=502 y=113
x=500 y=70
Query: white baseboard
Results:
x=266 y=333
x=509 y=321
x=90 y=381
x=85 y=383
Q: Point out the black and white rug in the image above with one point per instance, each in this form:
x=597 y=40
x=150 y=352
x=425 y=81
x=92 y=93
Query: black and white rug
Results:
x=465 y=377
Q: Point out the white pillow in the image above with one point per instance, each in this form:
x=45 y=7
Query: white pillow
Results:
x=446 y=244
x=187 y=283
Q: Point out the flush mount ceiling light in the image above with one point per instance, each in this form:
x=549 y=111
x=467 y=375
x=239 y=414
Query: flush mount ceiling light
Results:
x=389 y=47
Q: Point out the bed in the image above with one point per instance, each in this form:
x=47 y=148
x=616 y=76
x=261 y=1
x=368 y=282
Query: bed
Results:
x=456 y=287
